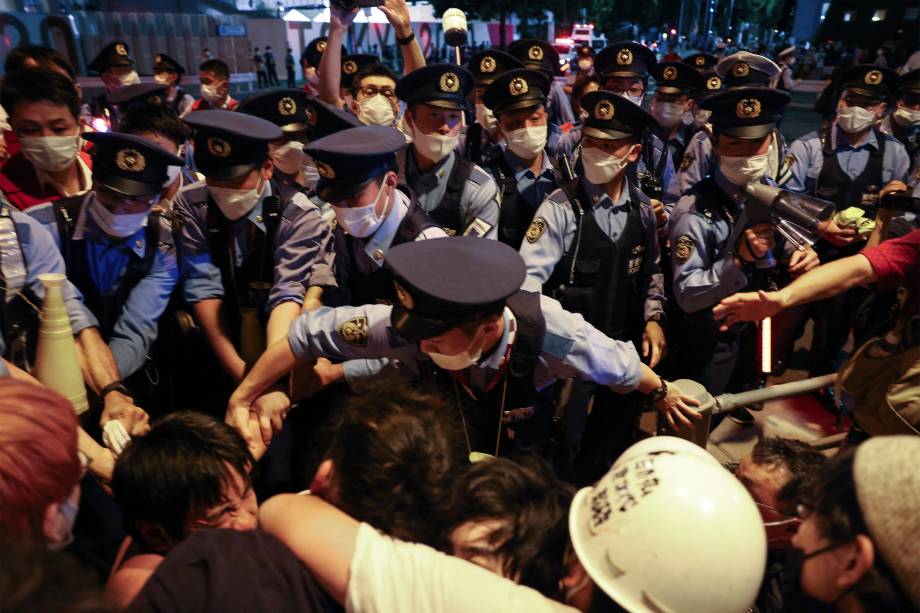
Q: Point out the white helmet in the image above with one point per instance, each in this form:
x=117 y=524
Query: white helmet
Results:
x=666 y=444
x=670 y=532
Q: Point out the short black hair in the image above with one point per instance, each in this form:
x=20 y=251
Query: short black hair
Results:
x=395 y=450
x=218 y=67
x=374 y=70
x=177 y=471
x=533 y=507
x=156 y=119
x=799 y=459
x=45 y=57
x=39 y=86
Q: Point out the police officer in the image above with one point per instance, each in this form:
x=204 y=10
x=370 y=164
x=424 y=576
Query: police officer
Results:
x=168 y=71
x=624 y=69
x=715 y=250
x=540 y=55
x=584 y=61
x=459 y=195
x=741 y=69
x=115 y=248
x=677 y=83
x=785 y=59
x=116 y=69
x=594 y=247
x=525 y=169
x=138 y=98
x=461 y=320
x=904 y=120
x=702 y=62
x=252 y=251
x=480 y=142
x=309 y=63
x=848 y=163
x=357 y=169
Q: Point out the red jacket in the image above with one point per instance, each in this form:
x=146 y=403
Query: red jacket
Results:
x=20 y=184
x=202 y=105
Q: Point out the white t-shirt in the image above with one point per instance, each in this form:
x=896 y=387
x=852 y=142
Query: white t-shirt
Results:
x=390 y=575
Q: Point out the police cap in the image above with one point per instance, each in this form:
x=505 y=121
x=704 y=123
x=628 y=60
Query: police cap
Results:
x=749 y=112
x=441 y=85
x=324 y=119
x=613 y=117
x=701 y=61
x=486 y=65
x=286 y=108
x=517 y=89
x=711 y=84
x=910 y=82
x=113 y=54
x=445 y=282
x=313 y=52
x=536 y=54
x=870 y=80
x=164 y=63
x=745 y=69
x=347 y=160
x=230 y=144
x=139 y=95
x=355 y=63
x=128 y=164
x=625 y=59
x=678 y=78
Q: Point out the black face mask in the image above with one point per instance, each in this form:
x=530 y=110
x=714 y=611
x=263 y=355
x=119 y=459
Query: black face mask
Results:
x=795 y=600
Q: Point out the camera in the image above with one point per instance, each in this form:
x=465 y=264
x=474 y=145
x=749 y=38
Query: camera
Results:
x=650 y=185
x=350 y=4
x=900 y=201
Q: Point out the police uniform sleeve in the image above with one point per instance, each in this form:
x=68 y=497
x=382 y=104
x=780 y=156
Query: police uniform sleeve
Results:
x=802 y=164
x=670 y=186
x=702 y=275
x=303 y=254
x=347 y=333
x=432 y=232
x=655 y=298
x=137 y=325
x=544 y=243
x=897 y=164
x=696 y=163
x=41 y=256
x=200 y=276
x=481 y=200
x=573 y=348
x=562 y=109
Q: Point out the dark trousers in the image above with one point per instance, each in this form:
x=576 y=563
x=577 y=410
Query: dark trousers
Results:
x=262 y=79
x=273 y=77
x=291 y=77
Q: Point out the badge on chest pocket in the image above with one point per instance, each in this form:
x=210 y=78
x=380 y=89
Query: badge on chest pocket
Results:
x=636 y=257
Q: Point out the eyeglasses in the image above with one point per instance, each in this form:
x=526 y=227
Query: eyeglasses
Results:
x=370 y=91
x=633 y=90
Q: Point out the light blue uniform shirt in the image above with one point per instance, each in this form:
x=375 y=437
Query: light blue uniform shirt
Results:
x=572 y=348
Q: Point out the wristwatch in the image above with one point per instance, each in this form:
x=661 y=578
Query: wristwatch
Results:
x=405 y=41
x=114 y=386
x=660 y=393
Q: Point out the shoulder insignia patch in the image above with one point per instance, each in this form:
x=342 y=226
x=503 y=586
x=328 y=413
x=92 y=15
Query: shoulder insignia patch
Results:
x=557 y=346
x=354 y=331
x=683 y=249
x=686 y=161
x=535 y=230
x=478 y=227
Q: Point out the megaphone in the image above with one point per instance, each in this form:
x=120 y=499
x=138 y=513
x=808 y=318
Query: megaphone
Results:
x=453 y=22
x=796 y=216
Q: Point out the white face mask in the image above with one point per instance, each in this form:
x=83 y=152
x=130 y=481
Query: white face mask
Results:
x=527 y=142
x=376 y=111
x=211 y=94
x=172 y=173
x=434 y=147
x=701 y=117
x=464 y=359
x=602 y=167
x=120 y=225
x=486 y=118
x=51 y=153
x=744 y=170
x=361 y=221
x=69 y=512
x=906 y=117
x=131 y=78
x=668 y=114
x=234 y=203
x=637 y=100
x=289 y=157
x=855 y=119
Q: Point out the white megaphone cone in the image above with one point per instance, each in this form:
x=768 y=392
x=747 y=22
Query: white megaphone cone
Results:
x=56 y=363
